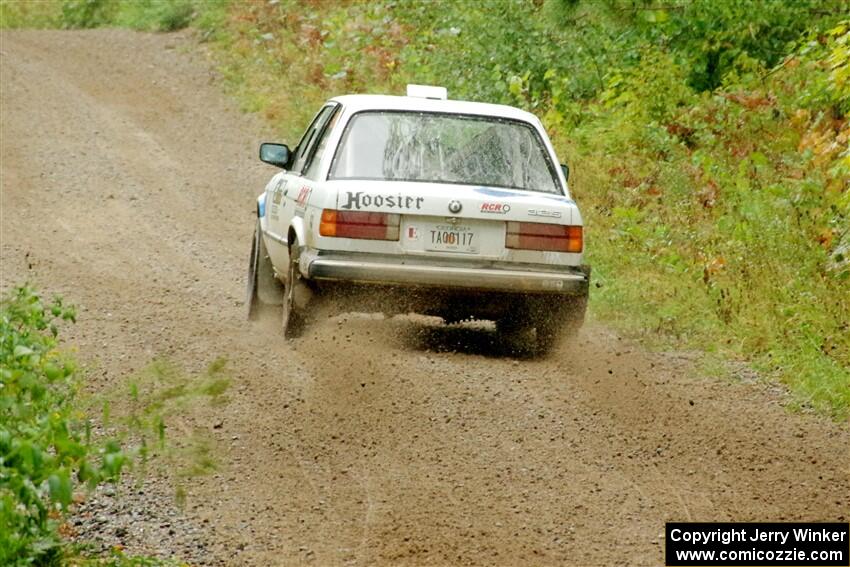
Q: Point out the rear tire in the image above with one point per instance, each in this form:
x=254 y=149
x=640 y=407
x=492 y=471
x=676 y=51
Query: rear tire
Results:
x=574 y=313
x=562 y=323
x=546 y=337
x=296 y=298
x=263 y=287
x=514 y=333
x=543 y=324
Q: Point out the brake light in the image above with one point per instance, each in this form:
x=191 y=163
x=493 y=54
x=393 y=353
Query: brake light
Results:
x=359 y=224
x=542 y=236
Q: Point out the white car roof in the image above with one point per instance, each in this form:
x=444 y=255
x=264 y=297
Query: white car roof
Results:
x=356 y=103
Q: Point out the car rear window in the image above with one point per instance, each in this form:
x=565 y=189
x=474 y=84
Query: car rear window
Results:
x=444 y=148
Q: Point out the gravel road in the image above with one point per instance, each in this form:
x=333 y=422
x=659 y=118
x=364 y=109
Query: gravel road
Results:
x=128 y=185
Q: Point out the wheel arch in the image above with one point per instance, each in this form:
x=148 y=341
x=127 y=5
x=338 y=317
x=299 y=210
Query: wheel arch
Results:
x=296 y=232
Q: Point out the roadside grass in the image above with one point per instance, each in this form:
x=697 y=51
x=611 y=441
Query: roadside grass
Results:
x=152 y=406
x=80 y=556
x=154 y=15
x=22 y=14
x=726 y=248
x=283 y=61
x=142 y=15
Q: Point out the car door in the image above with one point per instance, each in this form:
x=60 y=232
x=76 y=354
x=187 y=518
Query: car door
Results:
x=291 y=191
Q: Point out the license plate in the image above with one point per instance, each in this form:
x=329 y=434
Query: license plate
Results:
x=452 y=238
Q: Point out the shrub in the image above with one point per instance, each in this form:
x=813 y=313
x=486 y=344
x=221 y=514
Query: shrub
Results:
x=154 y=15
x=87 y=13
x=148 y=15
x=16 y=14
x=45 y=445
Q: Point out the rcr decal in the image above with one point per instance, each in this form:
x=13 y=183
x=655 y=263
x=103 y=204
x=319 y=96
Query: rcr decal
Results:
x=544 y=213
x=359 y=200
x=495 y=208
x=303 y=195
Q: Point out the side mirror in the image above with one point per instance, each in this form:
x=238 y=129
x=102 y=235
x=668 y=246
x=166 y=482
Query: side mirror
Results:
x=566 y=169
x=275 y=154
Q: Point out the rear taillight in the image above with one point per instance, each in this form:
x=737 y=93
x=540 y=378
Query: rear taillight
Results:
x=541 y=236
x=358 y=224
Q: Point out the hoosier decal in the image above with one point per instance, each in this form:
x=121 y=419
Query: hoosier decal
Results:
x=359 y=200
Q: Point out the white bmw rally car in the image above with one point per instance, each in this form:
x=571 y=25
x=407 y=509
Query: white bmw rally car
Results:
x=421 y=204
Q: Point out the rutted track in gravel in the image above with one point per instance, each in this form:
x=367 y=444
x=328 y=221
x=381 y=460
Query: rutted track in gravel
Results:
x=127 y=185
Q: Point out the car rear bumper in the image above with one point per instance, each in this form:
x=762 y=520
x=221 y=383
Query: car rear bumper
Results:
x=444 y=273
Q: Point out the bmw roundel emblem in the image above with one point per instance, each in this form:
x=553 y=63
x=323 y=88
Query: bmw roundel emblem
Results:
x=455 y=207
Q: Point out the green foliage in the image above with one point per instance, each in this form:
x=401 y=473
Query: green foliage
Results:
x=564 y=51
x=145 y=15
x=81 y=557
x=88 y=13
x=738 y=203
x=45 y=447
x=818 y=53
x=156 y=15
x=159 y=395
x=717 y=39
x=19 y=14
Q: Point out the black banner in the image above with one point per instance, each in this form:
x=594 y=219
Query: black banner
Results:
x=744 y=544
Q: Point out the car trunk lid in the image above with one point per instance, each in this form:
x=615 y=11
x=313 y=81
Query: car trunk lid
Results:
x=439 y=219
